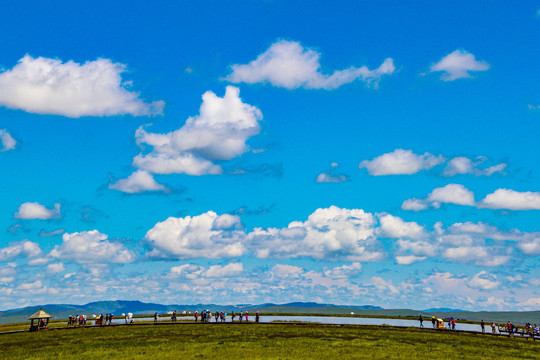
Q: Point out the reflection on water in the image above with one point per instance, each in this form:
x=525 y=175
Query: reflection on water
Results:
x=328 y=320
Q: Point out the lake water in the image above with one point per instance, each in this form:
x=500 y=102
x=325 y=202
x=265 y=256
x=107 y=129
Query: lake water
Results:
x=328 y=320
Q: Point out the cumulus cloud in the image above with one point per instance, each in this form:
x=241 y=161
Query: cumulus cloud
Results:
x=193 y=272
x=221 y=271
x=462 y=243
x=458 y=194
x=401 y=162
x=409 y=259
x=218 y=133
x=530 y=246
x=511 y=200
x=55 y=268
x=289 y=65
x=483 y=281
x=34 y=210
x=91 y=247
x=337 y=234
x=414 y=205
x=203 y=236
x=139 y=181
x=7 y=142
x=332 y=233
x=330 y=175
x=464 y=165
x=24 y=248
x=283 y=270
x=457 y=65
x=49 y=86
x=395 y=227
x=451 y=194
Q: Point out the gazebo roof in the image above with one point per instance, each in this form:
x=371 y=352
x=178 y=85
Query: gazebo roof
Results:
x=40 y=315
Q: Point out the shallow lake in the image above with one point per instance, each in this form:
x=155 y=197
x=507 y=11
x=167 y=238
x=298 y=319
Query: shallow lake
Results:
x=327 y=320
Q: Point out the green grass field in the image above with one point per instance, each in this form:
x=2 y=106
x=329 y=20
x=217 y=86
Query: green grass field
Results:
x=263 y=341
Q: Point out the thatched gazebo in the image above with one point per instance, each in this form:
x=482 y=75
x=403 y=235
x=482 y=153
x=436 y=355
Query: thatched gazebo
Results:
x=40 y=316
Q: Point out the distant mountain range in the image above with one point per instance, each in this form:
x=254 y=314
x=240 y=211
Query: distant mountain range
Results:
x=117 y=307
x=63 y=311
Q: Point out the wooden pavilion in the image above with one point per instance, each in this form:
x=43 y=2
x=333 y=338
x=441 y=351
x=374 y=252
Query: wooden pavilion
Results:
x=42 y=320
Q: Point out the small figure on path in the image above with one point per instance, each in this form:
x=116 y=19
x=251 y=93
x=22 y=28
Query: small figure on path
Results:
x=233 y=315
x=257 y=317
x=482 y=324
x=493 y=327
x=196 y=316
x=156 y=317
x=246 y=316
x=421 y=320
x=433 y=321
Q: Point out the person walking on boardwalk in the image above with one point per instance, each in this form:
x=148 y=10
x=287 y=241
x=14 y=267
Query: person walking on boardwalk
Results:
x=196 y=316
x=433 y=321
x=257 y=317
x=421 y=320
x=233 y=315
x=155 y=317
x=247 y=316
x=482 y=324
x=493 y=327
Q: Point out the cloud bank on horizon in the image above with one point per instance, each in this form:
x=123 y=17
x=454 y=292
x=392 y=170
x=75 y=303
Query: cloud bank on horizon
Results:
x=364 y=183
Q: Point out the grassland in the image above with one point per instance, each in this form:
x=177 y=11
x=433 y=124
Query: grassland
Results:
x=261 y=341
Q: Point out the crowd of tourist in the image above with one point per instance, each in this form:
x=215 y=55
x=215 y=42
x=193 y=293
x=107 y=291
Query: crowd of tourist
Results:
x=222 y=316
x=509 y=328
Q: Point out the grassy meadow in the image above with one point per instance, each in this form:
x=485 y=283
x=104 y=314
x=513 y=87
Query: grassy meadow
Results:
x=268 y=341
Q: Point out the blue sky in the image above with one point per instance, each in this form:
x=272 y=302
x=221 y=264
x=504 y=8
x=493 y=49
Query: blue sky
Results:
x=271 y=151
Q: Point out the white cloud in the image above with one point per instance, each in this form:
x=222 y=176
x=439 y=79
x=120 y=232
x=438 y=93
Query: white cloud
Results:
x=401 y=162
x=409 y=259
x=25 y=248
x=283 y=270
x=6 y=141
x=55 y=268
x=451 y=194
x=48 y=86
x=530 y=246
x=332 y=233
x=229 y=270
x=458 y=65
x=484 y=281
x=91 y=247
x=218 y=133
x=511 y=200
x=395 y=227
x=330 y=175
x=137 y=182
x=202 y=236
x=327 y=178
x=344 y=271
x=195 y=272
x=35 y=210
x=464 y=165
x=463 y=243
x=288 y=64
x=414 y=205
